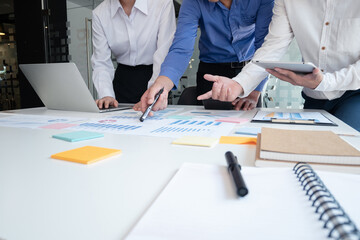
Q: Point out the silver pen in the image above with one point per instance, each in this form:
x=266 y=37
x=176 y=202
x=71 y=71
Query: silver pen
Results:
x=146 y=113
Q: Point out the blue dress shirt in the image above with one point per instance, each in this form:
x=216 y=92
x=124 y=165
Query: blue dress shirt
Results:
x=227 y=35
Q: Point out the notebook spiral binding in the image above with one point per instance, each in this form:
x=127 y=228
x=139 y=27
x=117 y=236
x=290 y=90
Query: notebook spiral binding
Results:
x=330 y=212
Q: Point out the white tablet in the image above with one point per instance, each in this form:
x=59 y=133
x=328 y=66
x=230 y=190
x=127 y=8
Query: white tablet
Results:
x=297 y=67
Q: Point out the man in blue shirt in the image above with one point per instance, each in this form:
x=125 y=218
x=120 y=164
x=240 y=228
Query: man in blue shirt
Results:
x=231 y=31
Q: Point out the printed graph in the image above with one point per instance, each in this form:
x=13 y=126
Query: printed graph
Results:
x=317 y=117
x=193 y=127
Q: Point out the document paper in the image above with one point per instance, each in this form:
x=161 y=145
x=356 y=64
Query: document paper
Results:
x=200 y=203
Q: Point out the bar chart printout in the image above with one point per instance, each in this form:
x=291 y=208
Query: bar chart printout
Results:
x=195 y=127
x=159 y=128
x=317 y=117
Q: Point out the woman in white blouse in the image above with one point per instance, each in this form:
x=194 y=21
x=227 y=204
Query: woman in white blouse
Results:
x=138 y=34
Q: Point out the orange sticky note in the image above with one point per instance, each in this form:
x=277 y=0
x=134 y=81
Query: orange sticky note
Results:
x=237 y=140
x=86 y=155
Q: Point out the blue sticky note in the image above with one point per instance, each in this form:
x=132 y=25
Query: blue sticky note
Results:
x=78 y=136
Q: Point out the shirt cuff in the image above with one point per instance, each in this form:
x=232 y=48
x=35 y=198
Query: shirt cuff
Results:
x=261 y=85
x=106 y=91
x=246 y=85
x=324 y=83
x=173 y=75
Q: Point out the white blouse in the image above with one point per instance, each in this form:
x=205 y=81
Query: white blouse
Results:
x=143 y=38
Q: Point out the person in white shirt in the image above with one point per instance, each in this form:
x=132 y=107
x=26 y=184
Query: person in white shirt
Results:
x=138 y=33
x=328 y=35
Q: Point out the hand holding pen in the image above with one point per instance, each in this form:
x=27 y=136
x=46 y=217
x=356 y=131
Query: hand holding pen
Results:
x=148 y=110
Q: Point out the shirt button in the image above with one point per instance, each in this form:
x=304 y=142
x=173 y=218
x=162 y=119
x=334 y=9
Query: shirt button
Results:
x=327 y=23
x=322 y=48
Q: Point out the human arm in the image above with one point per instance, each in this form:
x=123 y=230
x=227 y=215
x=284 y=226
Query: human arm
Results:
x=103 y=68
x=347 y=78
x=274 y=47
x=176 y=60
x=149 y=95
x=166 y=30
x=263 y=19
x=182 y=47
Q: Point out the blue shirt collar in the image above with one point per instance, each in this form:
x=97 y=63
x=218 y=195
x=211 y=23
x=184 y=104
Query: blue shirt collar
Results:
x=213 y=5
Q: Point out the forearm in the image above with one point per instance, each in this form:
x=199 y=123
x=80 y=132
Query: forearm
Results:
x=347 y=78
x=274 y=47
x=103 y=69
x=181 y=50
x=165 y=36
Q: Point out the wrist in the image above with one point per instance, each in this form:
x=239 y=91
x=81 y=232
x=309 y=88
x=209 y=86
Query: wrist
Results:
x=319 y=80
x=239 y=88
x=165 y=82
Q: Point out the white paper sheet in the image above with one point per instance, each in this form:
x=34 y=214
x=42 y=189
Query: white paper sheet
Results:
x=126 y=122
x=200 y=203
x=34 y=121
x=211 y=114
x=316 y=116
x=173 y=128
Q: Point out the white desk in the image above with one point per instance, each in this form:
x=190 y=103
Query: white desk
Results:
x=43 y=198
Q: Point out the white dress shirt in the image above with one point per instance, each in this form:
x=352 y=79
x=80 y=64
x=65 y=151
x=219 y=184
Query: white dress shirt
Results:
x=328 y=35
x=143 y=38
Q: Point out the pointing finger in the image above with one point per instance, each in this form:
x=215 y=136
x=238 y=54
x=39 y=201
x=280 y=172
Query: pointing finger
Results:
x=205 y=96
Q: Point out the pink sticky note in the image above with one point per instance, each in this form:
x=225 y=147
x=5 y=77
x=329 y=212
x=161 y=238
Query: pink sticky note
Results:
x=233 y=120
x=58 y=126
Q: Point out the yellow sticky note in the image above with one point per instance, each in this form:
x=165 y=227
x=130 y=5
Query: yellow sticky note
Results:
x=86 y=155
x=196 y=141
x=237 y=140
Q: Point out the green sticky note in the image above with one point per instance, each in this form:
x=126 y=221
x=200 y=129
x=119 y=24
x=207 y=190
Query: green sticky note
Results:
x=78 y=136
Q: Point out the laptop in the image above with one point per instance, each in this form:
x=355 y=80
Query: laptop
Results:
x=60 y=86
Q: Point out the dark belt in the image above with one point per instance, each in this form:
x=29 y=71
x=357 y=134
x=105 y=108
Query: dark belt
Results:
x=231 y=64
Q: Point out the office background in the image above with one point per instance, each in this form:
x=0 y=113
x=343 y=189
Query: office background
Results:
x=39 y=31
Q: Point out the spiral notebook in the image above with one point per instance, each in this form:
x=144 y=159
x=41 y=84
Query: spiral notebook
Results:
x=283 y=203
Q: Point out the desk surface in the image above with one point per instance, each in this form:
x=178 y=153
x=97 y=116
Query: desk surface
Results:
x=43 y=198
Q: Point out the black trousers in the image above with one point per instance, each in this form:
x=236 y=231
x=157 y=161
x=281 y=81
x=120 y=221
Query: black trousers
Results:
x=131 y=82
x=220 y=69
